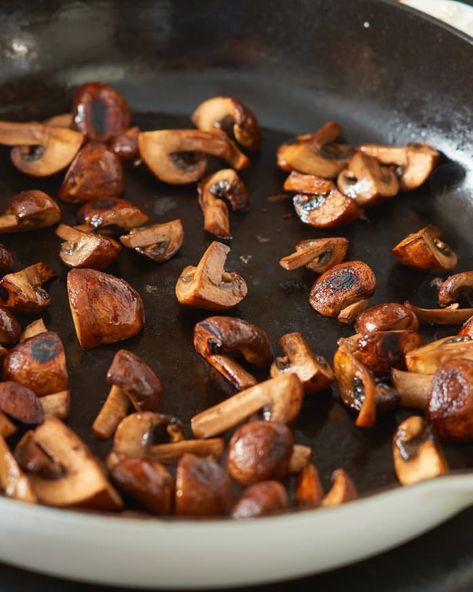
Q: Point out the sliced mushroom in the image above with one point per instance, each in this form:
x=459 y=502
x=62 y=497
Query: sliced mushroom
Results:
x=264 y=498
x=316 y=254
x=343 y=490
x=313 y=370
x=341 y=286
x=456 y=288
x=34 y=328
x=179 y=156
x=95 y=172
x=309 y=490
x=216 y=334
x=231 y=116
x=22 y=291
x=105 y=309
x=159 y=242
x=57 y=404
x=29 y=210
x=112 y=213
x=84 y=249
x=125 y=145
x=208 y=285
x=428 y=358
x=6 y=260
x=281 y=397
x=10 y=328
x=424 y=251
x=172 y=451
x=13 y=481
x=415 y=161
x=451 y=315
x=413 y=388
x=20 y=403
x=417 y=456
x=389 y=316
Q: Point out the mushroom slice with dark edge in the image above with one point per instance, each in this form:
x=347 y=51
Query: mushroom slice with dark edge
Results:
x=280 y=398
x=389 y=316
x=203 y=487
x=343 y=490
x=83 y=483
x=112 y=213
x=20 y=403
x=22 y=291
x=316 y=254
x=424 y=251
x=366 y=181
x=450 y=315
x=341 y=286
x=125 y=145
x=32 y=329
x=413 y=388
x=158 y=242
x=426 y=359
x=417 y=456
x=264 y=498
x=13 y=482
x=231 y=116
x=415 y=161
x=216 y=334
x=95 y=172
x=99 y=111
x=85 y=249
x=104 y=308
x=456 y=288
x=40 y=150
x=180 y=156
x=6 y=260
x=208 y=285
x=309 y=490
x=313 y=371
x=10 y=329
x=29 y=210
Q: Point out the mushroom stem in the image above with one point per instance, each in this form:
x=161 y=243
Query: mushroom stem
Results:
x=413 y=388
x=450 y=315
x=22 y=134
x=13 y=482
x=349 y=313
x=8 y=222
x=68 y=233
x=7 y=428
x=111 y=414
x=300 y=458
x=232 y=371
x=169 y=453
x=56 y=404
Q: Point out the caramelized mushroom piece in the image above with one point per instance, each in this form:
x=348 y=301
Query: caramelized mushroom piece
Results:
x=343 y=490
x=216 y=334
x=426 y=359
x=231 y=116
x=13 y=482
x=309 y=490
x=105 y=309
x=208 y=285
x=56 y=404
x=264 y=498
x=342 y=285
x=467 y=327
x=29 y=210
x=456 y=288
x=34 y=328
x=202 y=487
x=125 y=145
x=417 y=456
x=6 y=260
x=313 y=370
x=424 y=251
x=413 y=388
x=112 y=213
x=10 y=329
x=20 y=403
x=179 y=156
x=316 y=254
x=159 y=242
x=389 y=316
x=84 y=249
x=415 y=161
x=451 y=315
x=22 y=291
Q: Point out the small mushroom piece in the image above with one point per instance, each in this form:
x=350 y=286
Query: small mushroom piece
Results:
x=309 y=490
x=258 y=451
x=100 y=111
x=112 y=213
x=413 y=388
x=33 y=459
x=456 y=288
x=389 y=316
x=13 y=482
x=202 y=487
x=112 y=412
x=467 y=327
x=179 y=156
x=84 y=249
x=208 y=285
x=148 y=482
x=22 y=291
x=10 y=328
x=313 y=370
x=427 y=359
x=342 y=285
x=366 y=181
x=216 y=334
x=7 y=428
x=415 y=161
x=300 y=458
x=104 y=308
x=34 y=328
x=316 y=254
x=343 y=490
x=424 y=251
x=450 y=315
x=352 y=311
x=417 y=456
x=158 y=242
x=56 y=404
x=29 y=210
x=95 y=172
x=264 y=498
x=231 y=116
x=20 y=403
x=125 y=145
x=280 y=397
x=6 y=260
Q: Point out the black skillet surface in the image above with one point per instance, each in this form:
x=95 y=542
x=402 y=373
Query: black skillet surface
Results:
x=296 y=65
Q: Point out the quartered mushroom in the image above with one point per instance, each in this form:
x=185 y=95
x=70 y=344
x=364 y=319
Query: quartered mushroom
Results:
x=426 y=359
x=389 y=316
x=208 y=285
x=20 y=403
x=450 y=315
x=13 y=482
x=22 y=291
x=457 y=289
x=264 y=498
x=29 y=210
x=415 y=162
x=85 y=249
x=104 y=308
x=112 y=213
x=316 y=254
x=343 y=490
x=216 y=335
x=6 y=260
x=341 y=286
x=180 y=156
x=125 y=145
x=10 y=329
x=425 y=251
x=309 y=490
x=40 y=150
x=231 y=116
x=313 y=370
x=158 y=242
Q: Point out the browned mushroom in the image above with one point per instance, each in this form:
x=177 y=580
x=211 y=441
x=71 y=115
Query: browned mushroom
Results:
x=159 y=242
x=33 y=459
x=261 y=499
x=6 y=260
x=125 y=145
x=34 y=328
x=216 y=334
x=316 y=254
x=341 y=286
x=309 y=490
x=10 y=329
x=179 y=156
x=29 y=210
x=456 y=288
x=313 y=370
x=428 y=358
x=208 y=285
x=389 y=316
x=20 y=403
x=231 y=116
x=105 y=309
x=424 y=251
x=413 y=388
x=112 y=213
x=415 y=161
x=22 y=291
x=13 y=482
x=450 y=315
x=57 y=404
x=343 y=490
x=85 y=249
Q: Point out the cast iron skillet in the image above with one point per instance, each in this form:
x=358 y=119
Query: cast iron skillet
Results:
x=385 y=73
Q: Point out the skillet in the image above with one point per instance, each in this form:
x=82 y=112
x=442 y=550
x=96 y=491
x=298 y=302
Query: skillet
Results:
x=387 y=74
